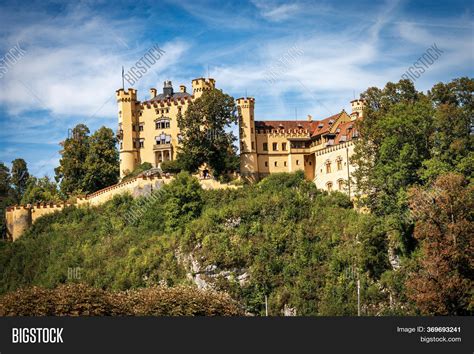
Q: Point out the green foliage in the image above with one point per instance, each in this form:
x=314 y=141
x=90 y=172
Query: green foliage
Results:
x=204 y=138
x=407 y=139
x=183 y=200
x=72 y=169
x=172 y=166
x=19 y=177
x=102 y=161
x=145 y=166
x=40 y=190
x=88 y=163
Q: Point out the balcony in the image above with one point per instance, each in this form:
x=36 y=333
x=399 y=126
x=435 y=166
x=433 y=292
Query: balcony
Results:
x=162 y=146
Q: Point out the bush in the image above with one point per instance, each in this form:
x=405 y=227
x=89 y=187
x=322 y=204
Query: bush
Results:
x=83 y=300
x=139 y=169
x=173 y=166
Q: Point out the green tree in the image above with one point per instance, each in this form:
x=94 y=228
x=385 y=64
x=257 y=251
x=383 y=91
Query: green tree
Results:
x=452 y=142
x=40 y=190
x=204 y=138
x=172 y=166
x=183 y=200
x=394 y=142
x=102 y=161
x=5 y=181
x=72 y=168
x=19 y=177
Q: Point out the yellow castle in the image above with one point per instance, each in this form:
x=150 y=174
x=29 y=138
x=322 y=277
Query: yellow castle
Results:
x=148 y=132
x=321 y=148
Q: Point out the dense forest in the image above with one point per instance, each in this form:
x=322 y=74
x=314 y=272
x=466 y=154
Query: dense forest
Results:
x=407 y=242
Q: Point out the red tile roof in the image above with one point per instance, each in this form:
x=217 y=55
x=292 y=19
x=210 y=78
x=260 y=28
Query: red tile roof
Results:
x=325 y=125
x=314 y=127
x=284 y=124
x=344 y=131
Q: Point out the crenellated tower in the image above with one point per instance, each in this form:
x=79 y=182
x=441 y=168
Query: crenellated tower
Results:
x=248 y=146
x=129 y=154
x=200 y=85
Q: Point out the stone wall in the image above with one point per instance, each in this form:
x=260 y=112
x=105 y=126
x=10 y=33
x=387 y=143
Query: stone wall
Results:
x=20 y=218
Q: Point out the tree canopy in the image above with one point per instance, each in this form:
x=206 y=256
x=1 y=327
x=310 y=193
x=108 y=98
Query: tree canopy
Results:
x=204 y=139
x=88 y=163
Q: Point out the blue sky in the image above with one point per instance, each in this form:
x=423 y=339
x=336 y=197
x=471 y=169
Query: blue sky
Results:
x=72 y=55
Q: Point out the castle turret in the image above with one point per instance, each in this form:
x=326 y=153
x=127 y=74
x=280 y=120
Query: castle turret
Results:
x=357 y=109
x=248 y=148
x=200 y=85
x=127 y=135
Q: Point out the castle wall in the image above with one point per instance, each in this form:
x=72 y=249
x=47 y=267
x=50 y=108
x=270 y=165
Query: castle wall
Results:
x=20 y=218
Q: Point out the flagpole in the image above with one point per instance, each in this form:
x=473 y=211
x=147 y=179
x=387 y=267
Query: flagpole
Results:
x=123 y=82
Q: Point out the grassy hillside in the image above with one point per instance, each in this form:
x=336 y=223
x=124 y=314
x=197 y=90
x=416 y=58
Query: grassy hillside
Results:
x=302 y=248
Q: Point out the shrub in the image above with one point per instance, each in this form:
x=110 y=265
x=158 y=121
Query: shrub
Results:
x=173 y=166
x=83 y=300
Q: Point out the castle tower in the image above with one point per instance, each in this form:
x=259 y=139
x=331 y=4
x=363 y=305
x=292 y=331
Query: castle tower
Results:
x=18 y=220
x=357 y=109
x=200 y=85
x=127 y=119
x=248 y=148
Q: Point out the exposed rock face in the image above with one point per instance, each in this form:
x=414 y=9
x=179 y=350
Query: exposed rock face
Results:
x=289 y=311
x=393 y=258
x=205 y=277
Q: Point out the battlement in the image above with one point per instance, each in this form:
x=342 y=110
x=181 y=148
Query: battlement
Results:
x=122 y=95
x=246 y=100
x=201 y=84
x=156 y=103
x=201 y=81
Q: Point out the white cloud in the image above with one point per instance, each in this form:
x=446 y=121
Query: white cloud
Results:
x=277 y=12
x=78 y=68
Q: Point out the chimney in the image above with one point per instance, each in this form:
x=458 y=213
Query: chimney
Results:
x=168 y=88
x=310 y=118
x=182 y=88
x=152 y=92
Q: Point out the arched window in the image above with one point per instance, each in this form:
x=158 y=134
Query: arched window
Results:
x=328 y=167
x=339 y=163
x=329 y=186
x=341 y=184
x=162 y=123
